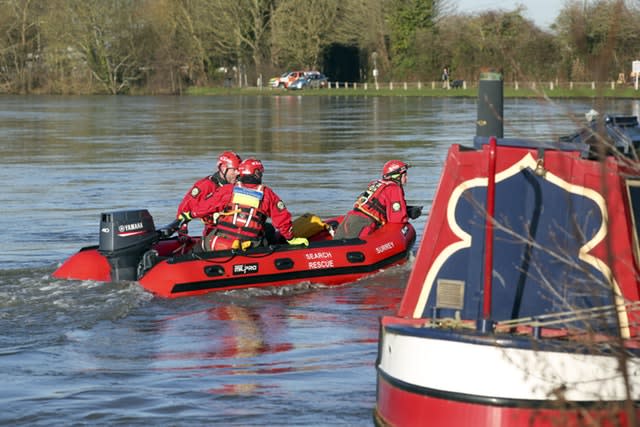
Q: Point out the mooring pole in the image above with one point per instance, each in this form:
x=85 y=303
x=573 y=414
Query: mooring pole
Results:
x=490 y=105
x=489 y=124
x=488 y=244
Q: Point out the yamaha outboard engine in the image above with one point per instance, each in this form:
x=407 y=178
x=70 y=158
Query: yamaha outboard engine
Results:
x=124 y=237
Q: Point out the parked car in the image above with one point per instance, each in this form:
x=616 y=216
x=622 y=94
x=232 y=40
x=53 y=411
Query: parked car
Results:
x=311 y=79
x=317 y=80
x=275 y=81
x=301 y=83
x=286 y=79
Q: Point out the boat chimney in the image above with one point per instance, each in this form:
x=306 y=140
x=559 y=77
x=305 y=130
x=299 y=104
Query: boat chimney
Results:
x=490 y=105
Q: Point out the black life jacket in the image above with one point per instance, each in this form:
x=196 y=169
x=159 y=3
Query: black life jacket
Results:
x=368 y=202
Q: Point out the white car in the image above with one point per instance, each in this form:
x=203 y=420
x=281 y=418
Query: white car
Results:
x=286 y=79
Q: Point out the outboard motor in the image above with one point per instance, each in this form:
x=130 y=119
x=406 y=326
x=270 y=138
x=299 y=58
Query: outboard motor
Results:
x=124 y=237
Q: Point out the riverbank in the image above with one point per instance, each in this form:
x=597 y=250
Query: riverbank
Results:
x=622 y=92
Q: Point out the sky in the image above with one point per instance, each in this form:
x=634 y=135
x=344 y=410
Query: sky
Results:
x=541 y=12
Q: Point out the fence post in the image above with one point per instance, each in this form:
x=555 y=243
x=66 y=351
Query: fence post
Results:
x=419 y=85
x=405 y=85
x=570 y=85
x=390 y=85
x=365 y=86
x=593 y=85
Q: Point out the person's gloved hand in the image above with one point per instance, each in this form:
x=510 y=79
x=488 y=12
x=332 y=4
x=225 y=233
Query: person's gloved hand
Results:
x=244 y=245
x=298 y=241
x=183 y=233
x=184 y=218
x=414 y=212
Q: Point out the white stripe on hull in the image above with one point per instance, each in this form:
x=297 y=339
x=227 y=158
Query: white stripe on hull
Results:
x=504 y=372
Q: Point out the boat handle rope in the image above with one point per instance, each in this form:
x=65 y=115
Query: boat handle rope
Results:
x=568 y=316
x=234 y=253
x=538 y=321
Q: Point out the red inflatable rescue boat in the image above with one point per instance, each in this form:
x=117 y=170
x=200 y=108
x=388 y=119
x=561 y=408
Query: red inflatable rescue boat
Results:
x=132 y=249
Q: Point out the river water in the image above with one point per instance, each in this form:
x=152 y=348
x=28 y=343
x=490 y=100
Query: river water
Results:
x=76 y=353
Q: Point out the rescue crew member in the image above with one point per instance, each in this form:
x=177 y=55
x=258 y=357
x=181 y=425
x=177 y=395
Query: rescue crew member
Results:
x=203 y=189
x=242 y=210
x=382 y=202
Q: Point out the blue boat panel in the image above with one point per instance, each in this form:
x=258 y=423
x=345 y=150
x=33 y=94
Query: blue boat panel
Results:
x=537 y=268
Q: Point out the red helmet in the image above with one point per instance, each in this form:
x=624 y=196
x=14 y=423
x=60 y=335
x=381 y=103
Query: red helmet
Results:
x=394 y=168
x=228 y=159
x=251 y=167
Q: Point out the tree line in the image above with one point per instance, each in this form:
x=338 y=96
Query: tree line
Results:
x=166 y=46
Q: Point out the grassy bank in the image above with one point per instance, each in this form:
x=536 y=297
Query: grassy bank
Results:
x=581 y=92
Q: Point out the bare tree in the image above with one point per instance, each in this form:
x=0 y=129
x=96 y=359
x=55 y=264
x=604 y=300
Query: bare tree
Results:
x=243 y=29
x=20 y=50
x=586 y=29
x=176 y=54
x=104 y=35
x=302 y=30
x=504 y=39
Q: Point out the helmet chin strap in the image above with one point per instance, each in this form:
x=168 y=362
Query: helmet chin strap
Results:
x=223 y=174
x=397 y=178
x=249 y=179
